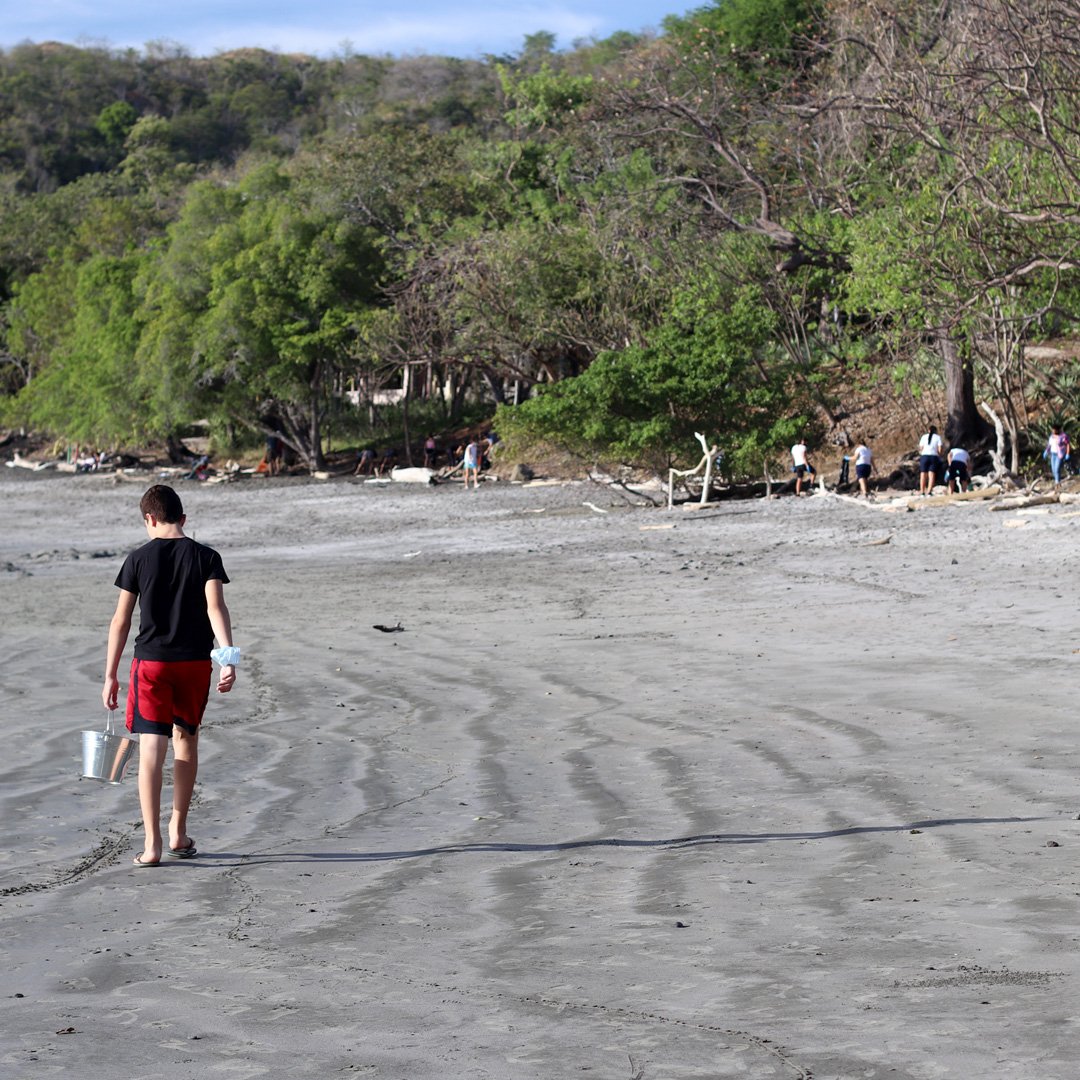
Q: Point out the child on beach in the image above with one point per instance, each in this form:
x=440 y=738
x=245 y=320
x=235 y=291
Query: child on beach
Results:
x=471 y=463
x=958 y=474
x=929 y=461
x=801 y=465
x=178 y=585
x=1056 y=452
x=864 y=466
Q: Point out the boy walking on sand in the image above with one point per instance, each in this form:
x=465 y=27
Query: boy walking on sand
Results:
x=178 y=585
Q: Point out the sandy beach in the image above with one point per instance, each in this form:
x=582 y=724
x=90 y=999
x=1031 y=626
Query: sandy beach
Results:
x=634 y=795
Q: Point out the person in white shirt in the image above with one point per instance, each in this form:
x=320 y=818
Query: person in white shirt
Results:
x=800 y=460
x=929 y=460
x=864 y=466
x=959 y=470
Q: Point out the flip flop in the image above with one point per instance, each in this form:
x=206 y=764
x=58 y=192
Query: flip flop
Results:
x=189 y=851
x=143 y=863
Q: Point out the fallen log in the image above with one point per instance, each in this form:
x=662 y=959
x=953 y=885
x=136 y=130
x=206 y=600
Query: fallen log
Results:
x=960 y=496
x=1026 y=500
x=19 y=462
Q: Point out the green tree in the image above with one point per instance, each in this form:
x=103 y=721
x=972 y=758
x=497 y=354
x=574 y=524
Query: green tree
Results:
x=751 y=40
x=78 y=322
x=710 y=367
x=115 y=121
x=253 y=307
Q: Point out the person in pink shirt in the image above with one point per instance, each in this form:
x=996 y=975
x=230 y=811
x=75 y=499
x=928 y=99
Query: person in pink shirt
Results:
x=1057 y=450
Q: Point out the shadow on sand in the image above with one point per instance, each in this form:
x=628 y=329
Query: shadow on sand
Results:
x=673 y=843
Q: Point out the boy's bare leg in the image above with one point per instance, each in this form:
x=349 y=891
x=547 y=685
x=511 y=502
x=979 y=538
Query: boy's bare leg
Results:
x=185 y=769
x=152 y=750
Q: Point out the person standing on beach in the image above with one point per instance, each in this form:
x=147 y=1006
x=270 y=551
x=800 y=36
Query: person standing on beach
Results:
x=864 y=466
x=274 y=452
x=929 y=460
x=1057 y=450
x=801 y=464
x=471 y=463
x=178 y=585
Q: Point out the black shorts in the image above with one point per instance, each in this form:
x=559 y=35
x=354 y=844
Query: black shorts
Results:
x=862 y=472
x=930 y=463
x=958 y=471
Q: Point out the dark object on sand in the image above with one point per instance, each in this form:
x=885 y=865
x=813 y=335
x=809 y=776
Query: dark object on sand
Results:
x=389 y=629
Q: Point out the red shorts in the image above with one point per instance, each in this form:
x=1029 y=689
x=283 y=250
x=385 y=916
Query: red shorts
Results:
x=163 y=693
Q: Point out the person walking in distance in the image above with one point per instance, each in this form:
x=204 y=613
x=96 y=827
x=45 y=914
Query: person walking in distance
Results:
x=1057 y=450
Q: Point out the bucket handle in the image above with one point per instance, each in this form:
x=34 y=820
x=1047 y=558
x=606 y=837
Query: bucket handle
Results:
x=109 y=714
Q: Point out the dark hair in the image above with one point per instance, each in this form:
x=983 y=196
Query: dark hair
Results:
x=933 y=430
x=162 y=503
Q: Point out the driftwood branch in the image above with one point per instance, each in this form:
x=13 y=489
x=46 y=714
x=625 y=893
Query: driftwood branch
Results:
x=997 y=455
x=1026 y=500
x=958 y=496
x=711 y=456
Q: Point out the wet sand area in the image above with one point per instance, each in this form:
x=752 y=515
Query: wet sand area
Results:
x=780 y=789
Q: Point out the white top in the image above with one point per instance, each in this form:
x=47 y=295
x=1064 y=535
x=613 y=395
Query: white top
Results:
x=962 y=456
x=863 y=455
x=930 y=444
x=798 y=454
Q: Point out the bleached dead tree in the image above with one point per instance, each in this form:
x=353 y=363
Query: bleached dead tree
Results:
x=997 y=455
x=711 y=454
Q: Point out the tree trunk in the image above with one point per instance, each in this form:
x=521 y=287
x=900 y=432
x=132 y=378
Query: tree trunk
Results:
x=292 y=432
x=963 y=425
x=317 y=460
x=460 y=387
x=998 y=453
x=495 y=385
x=178 y=453
x=407 y=387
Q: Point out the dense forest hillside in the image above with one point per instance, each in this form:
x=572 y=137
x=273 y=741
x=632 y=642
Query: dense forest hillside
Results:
x=841 y=218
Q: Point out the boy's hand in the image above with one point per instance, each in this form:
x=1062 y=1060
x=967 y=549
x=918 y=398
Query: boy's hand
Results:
x=110 y=692
x=226 y=678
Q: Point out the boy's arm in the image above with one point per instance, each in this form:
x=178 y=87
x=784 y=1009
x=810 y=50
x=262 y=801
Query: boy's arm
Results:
x=221 y=624
x=118 y=635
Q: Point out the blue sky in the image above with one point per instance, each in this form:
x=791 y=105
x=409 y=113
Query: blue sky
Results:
x=464 y=28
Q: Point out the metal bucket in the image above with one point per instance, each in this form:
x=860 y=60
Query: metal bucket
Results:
x=106 y=754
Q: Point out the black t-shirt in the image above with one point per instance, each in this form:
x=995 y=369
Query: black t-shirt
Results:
x=169 y=577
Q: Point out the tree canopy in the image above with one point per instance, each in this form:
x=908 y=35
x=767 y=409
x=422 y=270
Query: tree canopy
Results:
x=618 y=243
